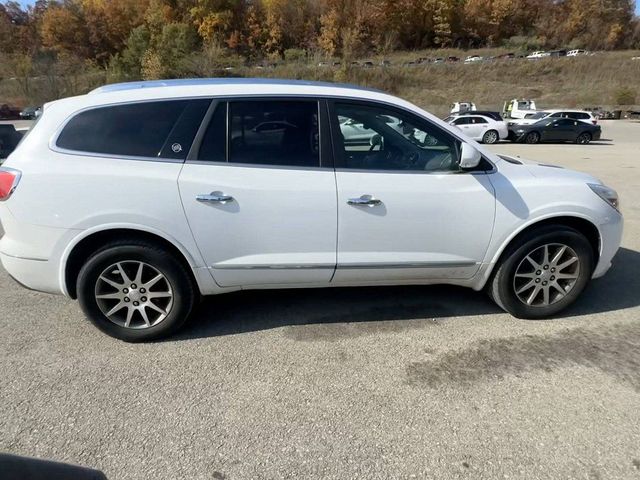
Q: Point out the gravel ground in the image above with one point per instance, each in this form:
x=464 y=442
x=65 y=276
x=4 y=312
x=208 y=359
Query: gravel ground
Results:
x=417 y=382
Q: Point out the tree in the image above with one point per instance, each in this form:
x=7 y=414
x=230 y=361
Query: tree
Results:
x=214 y=19
x=64 y=28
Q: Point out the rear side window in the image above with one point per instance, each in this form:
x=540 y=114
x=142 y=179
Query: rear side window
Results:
x=274 y=133
x=462 y=121
x=151 y=129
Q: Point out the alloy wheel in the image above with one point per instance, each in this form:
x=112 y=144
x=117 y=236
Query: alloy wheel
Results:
x=134 y=294
x=546 y=275
x=490 y=137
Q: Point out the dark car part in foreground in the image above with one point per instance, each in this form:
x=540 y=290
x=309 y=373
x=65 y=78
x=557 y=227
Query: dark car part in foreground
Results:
x=9 y=139
x=14 y=467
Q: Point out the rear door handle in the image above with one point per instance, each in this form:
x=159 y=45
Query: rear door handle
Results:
x=214 y=197
x=364 y=201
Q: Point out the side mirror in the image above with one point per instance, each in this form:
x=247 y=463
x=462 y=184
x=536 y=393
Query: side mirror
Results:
x=469 y=157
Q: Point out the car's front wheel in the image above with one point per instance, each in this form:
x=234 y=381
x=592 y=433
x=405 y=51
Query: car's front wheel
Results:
x=532 y=137
x=543 y=273
x=135 y=291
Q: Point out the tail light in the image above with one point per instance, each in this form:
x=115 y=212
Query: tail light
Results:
x=9 y=179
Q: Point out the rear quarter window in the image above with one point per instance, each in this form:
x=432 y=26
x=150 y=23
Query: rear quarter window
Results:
x=163 y=129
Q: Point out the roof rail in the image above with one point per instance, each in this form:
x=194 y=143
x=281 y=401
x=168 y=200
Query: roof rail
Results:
x=185 y=82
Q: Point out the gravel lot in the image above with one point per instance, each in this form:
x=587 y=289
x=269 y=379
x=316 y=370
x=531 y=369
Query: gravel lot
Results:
x=419 y=382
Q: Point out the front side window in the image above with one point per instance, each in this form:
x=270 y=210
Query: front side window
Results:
x=374 y=137
x=462 y=121
x=279 y=132
x=163 y=129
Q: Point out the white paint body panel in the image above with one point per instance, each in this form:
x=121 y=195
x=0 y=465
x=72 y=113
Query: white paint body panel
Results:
x=283 y=216
x=420 y=224
x=279 y=220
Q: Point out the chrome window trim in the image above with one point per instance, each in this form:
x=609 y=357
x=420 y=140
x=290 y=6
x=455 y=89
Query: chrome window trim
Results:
x=416 y=172
x=256 y=165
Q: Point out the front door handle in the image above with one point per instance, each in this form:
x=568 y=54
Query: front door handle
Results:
x=364 y=201
x=214 y=197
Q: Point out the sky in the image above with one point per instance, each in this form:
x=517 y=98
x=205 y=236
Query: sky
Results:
x=30 y=2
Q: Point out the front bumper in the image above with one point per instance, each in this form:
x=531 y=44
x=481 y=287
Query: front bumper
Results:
x=514 y=137
x=610 y=240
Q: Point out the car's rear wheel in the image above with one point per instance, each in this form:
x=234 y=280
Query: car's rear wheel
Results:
x=135 y=291
x=490 y=137
x=543 y=273
x=532 y=137
x=583 y=138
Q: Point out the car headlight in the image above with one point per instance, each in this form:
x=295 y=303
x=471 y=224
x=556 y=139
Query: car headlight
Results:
x=520 y=130
x=608 y=194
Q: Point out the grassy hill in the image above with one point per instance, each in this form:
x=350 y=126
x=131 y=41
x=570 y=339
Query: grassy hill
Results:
x=606 y=79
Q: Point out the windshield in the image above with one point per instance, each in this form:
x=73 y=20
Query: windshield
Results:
x=538 y=115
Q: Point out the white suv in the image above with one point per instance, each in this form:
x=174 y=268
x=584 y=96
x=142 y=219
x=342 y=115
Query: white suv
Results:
x=139 y=198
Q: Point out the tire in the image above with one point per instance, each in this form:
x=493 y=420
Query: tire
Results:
x=504 y=285
x=532 y=137
x=491 y=137
x=584 y=138
x=112 y=272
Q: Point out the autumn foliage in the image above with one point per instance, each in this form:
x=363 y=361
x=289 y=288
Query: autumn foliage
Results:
x=102 y=29
x=63 y=42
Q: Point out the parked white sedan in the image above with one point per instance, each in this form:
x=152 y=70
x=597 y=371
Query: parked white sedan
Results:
x=137 y=199
x=481 y=128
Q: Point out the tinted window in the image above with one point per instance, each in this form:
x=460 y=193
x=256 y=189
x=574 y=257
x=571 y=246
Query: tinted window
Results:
x=479 y=120
x=274 y=133
x=462 y=121
x=213 y=146
x=149 y=129
x=374 y=137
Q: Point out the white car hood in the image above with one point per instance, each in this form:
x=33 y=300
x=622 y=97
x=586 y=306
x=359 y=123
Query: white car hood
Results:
x=544 y=170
